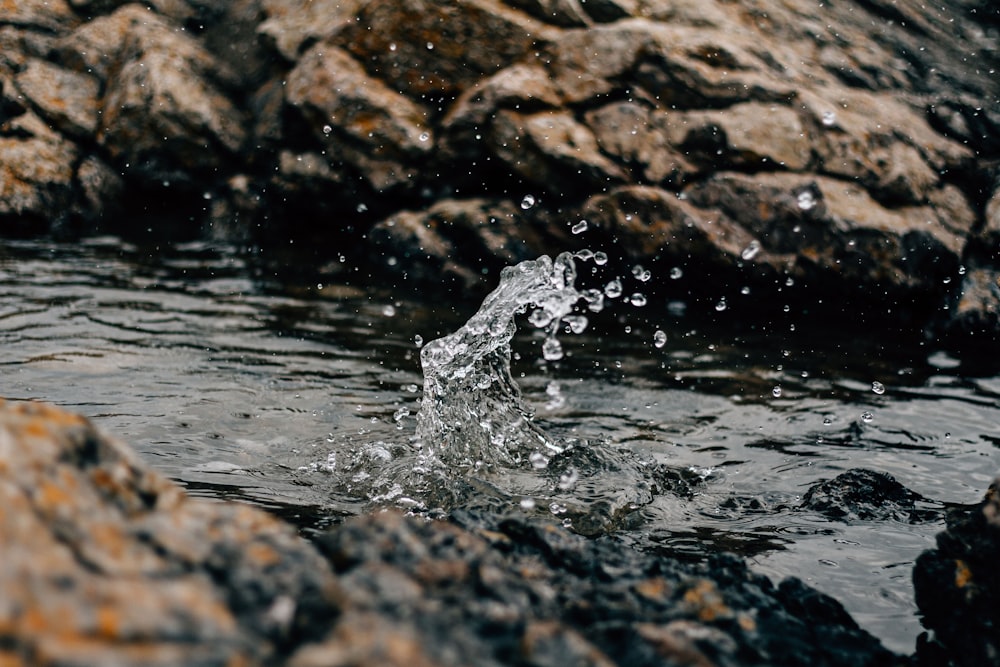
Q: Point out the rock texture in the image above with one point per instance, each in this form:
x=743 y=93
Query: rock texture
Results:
x=849 y=148
x=958 y=588
x=107 y=563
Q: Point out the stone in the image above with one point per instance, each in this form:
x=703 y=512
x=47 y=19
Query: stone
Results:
x=106 y=562
x=431 y=50
x=49 y=15
x=860 y=494
x=292 y=27
x=36 y=174
x=563 y=13
x=958 y=588
x=380 y=132
x=68 y=100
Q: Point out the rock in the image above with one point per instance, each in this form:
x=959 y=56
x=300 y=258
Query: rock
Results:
x=866 y=495
x=48 y=15
x=363 y=122
x=67 y=100
x=292 y=27
x=106 y=562
x=563 y=13
x=958 y=588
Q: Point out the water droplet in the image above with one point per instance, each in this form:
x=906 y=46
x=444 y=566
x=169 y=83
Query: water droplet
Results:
x=806 y=200
x=641 y=274
x=867 y=417
x=751 y=251
x=721 y=305
x=676 y=273
x=947 y=435
x=362 y=207
x=400 y=414
x=568 y=479
x=327 y=129
x=961 y=270
x=580 y=227
x=392 y=46
x=600 y=258
x=412 y=388
x=540 y=318
x=829 y=118
x=424 y=136
x=430 y=46
x=878 y=387
x=538 y=460
x=776 y=392
x=389 y=310
x=319 y=286
x=527 y=202
x=556 y=508
x=827 y=421
x=552 y=349
x=527 y=504
x=745 y=290
x=418 y=340
x=659 y=338
x=576 y=323
x=391 y=261
x=613 y=289
x=638 y=299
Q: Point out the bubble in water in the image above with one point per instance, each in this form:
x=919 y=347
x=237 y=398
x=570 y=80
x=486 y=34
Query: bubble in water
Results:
x=721 y=305
x=776 y=392
x=829 y=118
x=600 y=258
x=641 y=273
x=552 y=349
x=867 y=417
x=418 y=340
x=878 y=387
x=805 y=200
x=568 y=479
x=527 y=504
x=751 y=251
x=527 y=202
x=389 y=310
x=638 y=299
x=580 y=227
x=659 y=338
x=676 y=273
x=613 y=289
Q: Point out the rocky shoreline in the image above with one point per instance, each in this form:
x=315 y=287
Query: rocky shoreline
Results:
x=105 y=562
x=841 y=160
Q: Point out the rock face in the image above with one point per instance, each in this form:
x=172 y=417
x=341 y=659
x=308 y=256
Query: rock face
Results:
x=107 y=563
x=958 y=588
x=850 y=149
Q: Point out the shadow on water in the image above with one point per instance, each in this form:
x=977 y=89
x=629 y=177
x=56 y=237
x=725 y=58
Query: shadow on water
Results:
x=303 y=398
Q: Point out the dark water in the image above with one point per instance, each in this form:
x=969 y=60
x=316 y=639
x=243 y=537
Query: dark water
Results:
x=295 y=397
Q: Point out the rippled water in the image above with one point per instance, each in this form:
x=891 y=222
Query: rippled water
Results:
x=303 y=399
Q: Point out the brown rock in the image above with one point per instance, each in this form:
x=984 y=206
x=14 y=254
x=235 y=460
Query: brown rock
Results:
x=643 y=139
x=358 y=119
x=292 y=27
x=36 y=172
x=105 y=562
x=68 y=100
x=433 y=49
x=563 y=13
x=51 y=15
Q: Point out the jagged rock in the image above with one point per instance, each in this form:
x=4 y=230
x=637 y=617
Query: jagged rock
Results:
x=865 y=495
x=49 y=15
x=105 y=562
x=380 y=132
x=36 y=173
x=563 y=13
x=292 y=27
x=958 y=588
x=67 y=100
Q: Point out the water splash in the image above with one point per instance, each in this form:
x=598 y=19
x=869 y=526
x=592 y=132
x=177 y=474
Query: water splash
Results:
x=472 y=414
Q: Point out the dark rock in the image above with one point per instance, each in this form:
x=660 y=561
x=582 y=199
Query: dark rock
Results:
x=105 y=562
x=866 y=495
x=958 y=588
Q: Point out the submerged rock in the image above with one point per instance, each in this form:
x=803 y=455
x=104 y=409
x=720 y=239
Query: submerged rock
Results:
x=106 y=562
x=866 y=495
x=958 y=588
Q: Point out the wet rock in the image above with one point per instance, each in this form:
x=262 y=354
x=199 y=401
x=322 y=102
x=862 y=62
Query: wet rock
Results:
x=365 y=123
x=67 y=100
x=105 y=562
x=958 y=588
x=522 y=591
x=865 y=495
x=292 y=27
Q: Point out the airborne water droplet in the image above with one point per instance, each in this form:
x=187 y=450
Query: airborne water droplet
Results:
x=576 y=323
x=721 y=305
x=638 y=299
x=806 y=200
x=600 y=258
x=424 y=136
x=568 y=479
x=829 y=118
x=418 y=340
x=751 y=251
x=676 y=273
x=552 y=349
x=527 y=202
x=867 y=417
x=659 y=338
x=878 y=387
x=641 y=274
x=580 y=227
x=613 y=289
x=389 y=310
x=776 y=392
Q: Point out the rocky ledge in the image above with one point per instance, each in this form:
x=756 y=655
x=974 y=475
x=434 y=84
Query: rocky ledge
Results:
x=107 y=563
x=835 y=158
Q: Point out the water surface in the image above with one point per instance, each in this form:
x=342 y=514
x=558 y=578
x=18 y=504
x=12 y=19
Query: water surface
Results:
x=302 y=397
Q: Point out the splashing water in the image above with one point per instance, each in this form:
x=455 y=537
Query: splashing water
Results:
x=472 y=414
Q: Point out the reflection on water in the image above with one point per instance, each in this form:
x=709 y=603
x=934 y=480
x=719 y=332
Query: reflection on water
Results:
x=302 y=398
